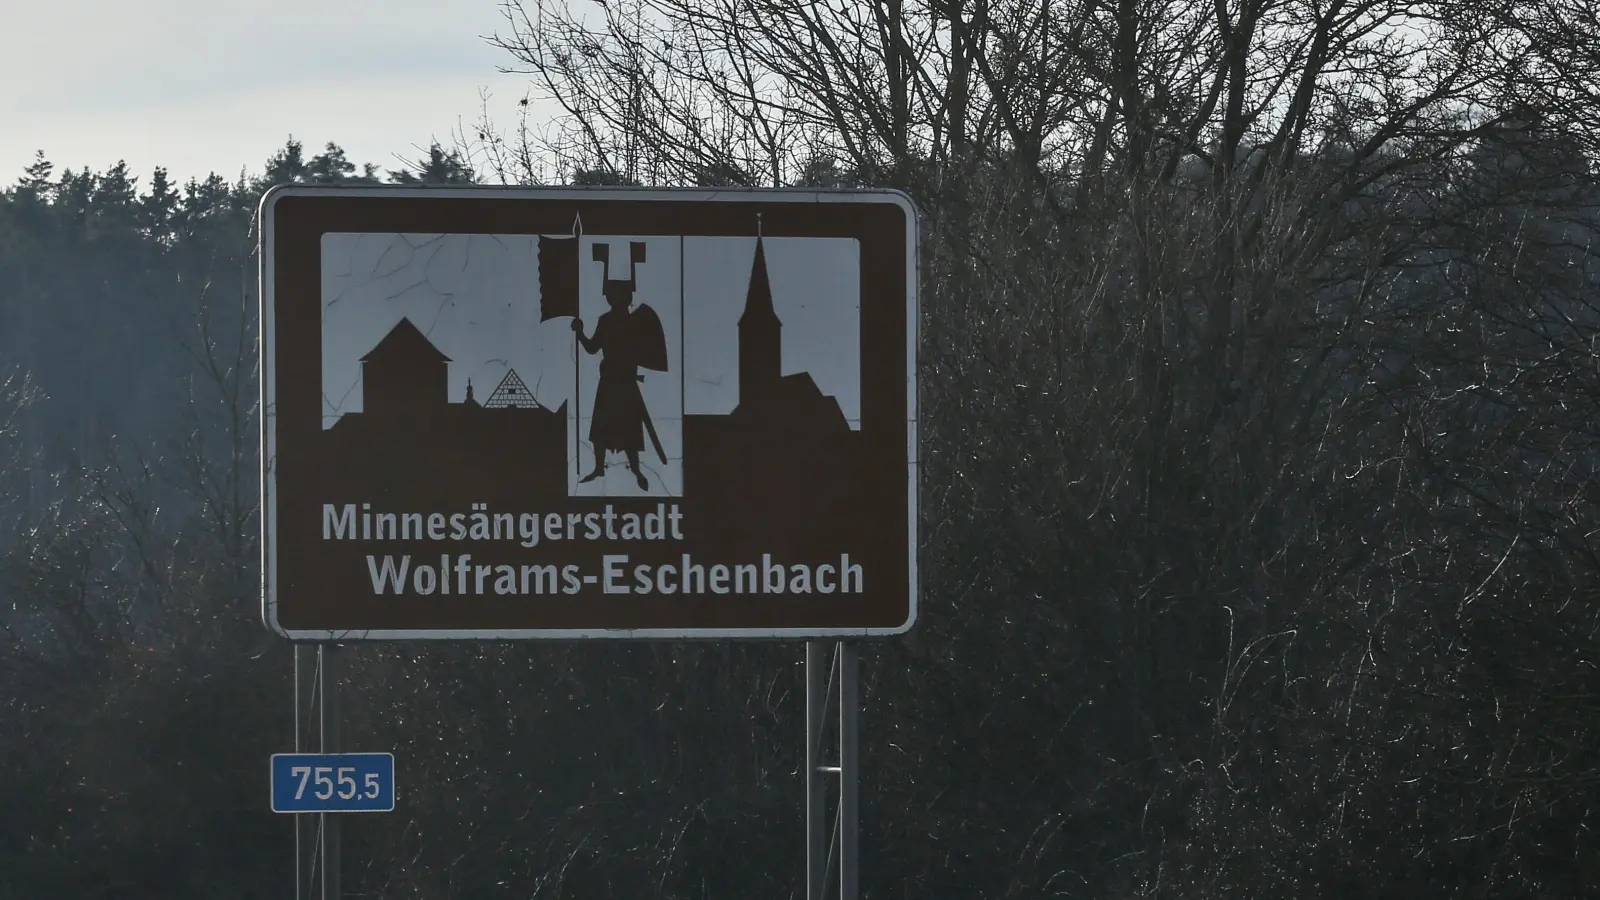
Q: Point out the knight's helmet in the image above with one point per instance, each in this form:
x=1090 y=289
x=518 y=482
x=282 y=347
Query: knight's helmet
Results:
x=619 y=287
x=646 y=339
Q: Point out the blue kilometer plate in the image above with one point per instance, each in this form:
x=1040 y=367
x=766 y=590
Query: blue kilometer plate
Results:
x=332 y=782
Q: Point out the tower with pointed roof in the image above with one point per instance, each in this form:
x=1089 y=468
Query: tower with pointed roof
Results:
x=404 y=375
x=760 y=337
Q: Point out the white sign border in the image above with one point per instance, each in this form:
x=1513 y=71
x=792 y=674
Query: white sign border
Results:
x=267 y=346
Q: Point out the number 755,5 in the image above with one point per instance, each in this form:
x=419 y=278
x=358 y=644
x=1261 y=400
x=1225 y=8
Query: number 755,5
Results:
x=325 y=777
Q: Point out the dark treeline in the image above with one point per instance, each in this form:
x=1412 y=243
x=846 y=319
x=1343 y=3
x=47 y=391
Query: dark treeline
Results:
x=1259 y=393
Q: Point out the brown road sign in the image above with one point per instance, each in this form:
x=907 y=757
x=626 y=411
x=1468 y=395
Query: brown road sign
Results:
x=497 y=413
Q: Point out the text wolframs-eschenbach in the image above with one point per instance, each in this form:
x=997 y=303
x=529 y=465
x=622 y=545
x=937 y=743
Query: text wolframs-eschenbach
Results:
x=461 y=576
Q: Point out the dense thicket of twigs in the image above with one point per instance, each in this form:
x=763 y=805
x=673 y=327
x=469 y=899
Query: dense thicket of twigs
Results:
x=1259 y=381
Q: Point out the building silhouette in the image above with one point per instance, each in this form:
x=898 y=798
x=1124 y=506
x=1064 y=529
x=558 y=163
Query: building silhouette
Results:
x=791 y=405
x=511 y=391
x=409 y=436
x=403 y=374
x=785 y=461
x=760 y=337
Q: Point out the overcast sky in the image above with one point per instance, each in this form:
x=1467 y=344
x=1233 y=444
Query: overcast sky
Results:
x=218 y=85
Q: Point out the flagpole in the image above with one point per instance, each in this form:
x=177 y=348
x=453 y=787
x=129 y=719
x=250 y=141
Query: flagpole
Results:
x=577 y=357
x=683 y=377
x=577 y=414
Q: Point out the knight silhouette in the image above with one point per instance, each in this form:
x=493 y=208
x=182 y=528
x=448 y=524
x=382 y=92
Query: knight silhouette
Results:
x=627 y=339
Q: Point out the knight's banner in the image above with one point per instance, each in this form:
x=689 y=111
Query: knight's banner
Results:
x=558 y=277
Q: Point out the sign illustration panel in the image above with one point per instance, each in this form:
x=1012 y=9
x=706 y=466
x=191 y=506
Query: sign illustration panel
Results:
x=494 y=413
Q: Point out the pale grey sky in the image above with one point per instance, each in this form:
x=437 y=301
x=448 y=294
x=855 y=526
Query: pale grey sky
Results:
x=218 y=85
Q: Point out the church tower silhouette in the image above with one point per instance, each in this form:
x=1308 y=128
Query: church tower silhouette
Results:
x=760 y=338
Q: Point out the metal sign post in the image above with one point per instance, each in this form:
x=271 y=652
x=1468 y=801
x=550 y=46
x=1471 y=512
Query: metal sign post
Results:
x=316 y=730
x=832 y=842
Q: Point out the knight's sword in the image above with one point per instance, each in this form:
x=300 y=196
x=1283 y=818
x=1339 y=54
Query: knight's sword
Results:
x=650 y=428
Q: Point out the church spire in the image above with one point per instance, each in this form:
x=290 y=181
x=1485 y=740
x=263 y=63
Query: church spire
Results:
x=760 y=334
x=758 y=298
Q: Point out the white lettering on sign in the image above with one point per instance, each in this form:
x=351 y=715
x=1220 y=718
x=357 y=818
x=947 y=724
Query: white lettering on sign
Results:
x=462 y=575
x=350 y=522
